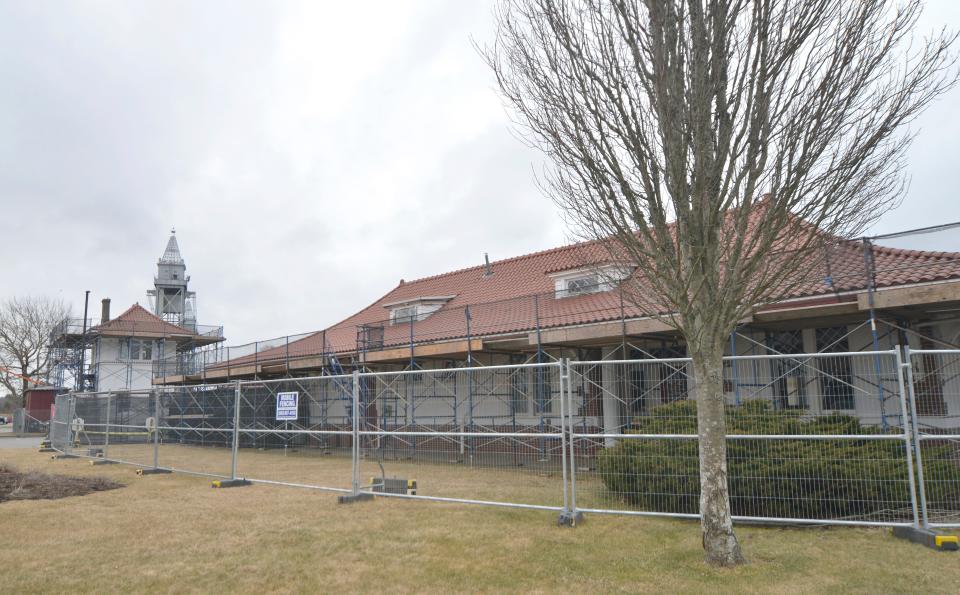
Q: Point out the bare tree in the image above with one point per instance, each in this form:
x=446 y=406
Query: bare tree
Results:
x=25 y=327
x=717 y=145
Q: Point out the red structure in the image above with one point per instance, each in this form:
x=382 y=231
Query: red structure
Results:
x=37 y=402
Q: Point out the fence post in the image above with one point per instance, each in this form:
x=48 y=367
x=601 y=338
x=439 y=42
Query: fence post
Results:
x=156 y=429
x=908 y=363
x=569 y=517
x=355 y=465
x=71 y=409
x=907 y=425
x=577 y=516
x=236 y=431
x=106 y=438
x=565 y=515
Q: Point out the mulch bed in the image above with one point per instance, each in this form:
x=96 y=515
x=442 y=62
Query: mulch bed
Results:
x=34 y=485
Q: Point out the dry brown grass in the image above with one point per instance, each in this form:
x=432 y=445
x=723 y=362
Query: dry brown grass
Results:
x=173 y=533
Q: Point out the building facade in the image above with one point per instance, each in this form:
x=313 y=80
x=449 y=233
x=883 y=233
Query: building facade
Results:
x=121 y=353
x=567 y=303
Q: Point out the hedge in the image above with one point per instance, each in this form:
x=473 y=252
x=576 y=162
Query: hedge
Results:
x=818 y=479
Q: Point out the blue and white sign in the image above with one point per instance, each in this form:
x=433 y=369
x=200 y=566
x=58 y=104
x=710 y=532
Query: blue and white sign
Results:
x=287 y=405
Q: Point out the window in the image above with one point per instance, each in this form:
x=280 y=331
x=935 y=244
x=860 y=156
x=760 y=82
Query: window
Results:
x=661 y=382
x=589 y=280
x=531 y=391
x=543 y=391
x=582 y=285
x=403 y=315
x=519 y=402
x=416 y=309
x=591 y=383
x=389 y=407
x=789 y=386
x=928 y=379
x=639 y=396
x=370 y=336
x=137 y=349
x=836 y=378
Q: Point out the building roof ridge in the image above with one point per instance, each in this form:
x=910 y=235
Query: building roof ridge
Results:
x=510 y=259
x=135 y=309
x=917 y=253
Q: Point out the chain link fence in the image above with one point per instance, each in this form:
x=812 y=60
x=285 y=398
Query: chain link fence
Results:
x=811 y=438
x=196 y=429
x=934 y=376
x=466 y=434
x=828 y=438
x=24 y=423
x=297 y=432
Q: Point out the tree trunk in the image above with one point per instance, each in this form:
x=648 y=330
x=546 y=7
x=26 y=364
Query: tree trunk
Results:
x=720 y=544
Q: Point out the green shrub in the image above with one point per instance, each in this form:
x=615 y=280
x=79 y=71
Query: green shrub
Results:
x=772 y=478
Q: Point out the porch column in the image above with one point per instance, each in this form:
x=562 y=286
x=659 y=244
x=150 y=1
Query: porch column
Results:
x=609 y=380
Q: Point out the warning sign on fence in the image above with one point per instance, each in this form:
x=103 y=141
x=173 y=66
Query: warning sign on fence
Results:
x=287 y=405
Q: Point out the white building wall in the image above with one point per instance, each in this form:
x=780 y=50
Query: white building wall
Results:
x=115 y=373
x=950 y=333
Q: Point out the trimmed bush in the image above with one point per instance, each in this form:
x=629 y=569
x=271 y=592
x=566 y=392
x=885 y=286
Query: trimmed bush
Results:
x=818 y=479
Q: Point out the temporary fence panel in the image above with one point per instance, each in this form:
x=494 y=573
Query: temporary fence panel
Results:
x=934 y=380
x=297 y=432
x=128 y=433
x=481 y=434
x=811 y=438
x=815 y=438
x=24 y=423
x=195 y=425
x=117 y=426
x=60 y=431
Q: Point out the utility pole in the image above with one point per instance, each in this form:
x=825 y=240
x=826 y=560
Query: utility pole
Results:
x=81 y=382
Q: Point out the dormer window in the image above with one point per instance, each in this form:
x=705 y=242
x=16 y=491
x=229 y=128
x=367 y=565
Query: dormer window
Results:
x=582 y=285
x=584 y=281
x=404 y=314
x=416 y=309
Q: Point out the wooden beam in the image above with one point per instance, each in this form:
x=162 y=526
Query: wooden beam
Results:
x=273 y=368
x=223 y=372
x=911 y=296
x=808 y=312
x=427 y=350
x=599 y=332
x=307 y=363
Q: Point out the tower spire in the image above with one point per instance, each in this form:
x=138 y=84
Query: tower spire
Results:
x=171 y=255
x=170 y=299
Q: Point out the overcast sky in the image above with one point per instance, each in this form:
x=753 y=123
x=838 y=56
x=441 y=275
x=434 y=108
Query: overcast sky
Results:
x=309 y=154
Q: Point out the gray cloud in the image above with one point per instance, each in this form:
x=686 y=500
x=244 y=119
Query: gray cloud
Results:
x=310 y=154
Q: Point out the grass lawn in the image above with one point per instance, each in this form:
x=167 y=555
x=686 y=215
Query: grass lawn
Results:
x=175 y=533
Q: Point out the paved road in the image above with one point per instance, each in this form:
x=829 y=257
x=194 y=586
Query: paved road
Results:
x=10 y=442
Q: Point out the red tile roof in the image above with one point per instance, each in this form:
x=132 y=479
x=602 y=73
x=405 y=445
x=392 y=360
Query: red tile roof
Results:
x=137 y=321
x=508 y=300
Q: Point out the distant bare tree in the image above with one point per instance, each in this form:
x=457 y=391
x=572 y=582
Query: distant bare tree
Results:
x=25 y=326
x=716 y=144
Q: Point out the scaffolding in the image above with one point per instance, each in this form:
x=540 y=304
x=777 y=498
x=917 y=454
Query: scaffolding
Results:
x=86 y=357
x=531 y=329
x=70 y=345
